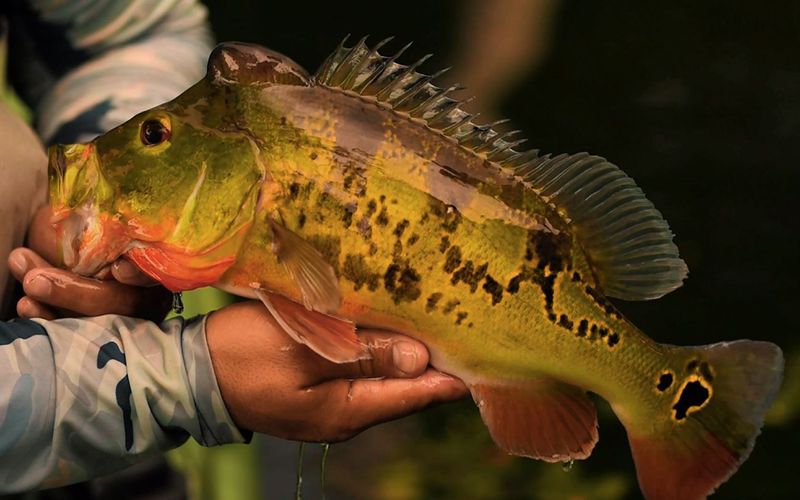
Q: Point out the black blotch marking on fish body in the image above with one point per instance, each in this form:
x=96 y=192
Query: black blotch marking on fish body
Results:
x=613 y=339
x=449 y=215
x=294 y=190
x=382 y=198
x=460 y=317
x=383 y=217
x=576 y=276
x=424 y=218
x=664 y=381
x=470 y=275
x=706 y=371
x=593 y=330
x=400 y=228
x=493 y=288
x=470 y=325
x=372 y=206
x=301 y=219
x=527 y=273
x=694 y=394
x=565 y=322
x=450 y=305
x=313 y=156
x=444 y=244
x=393 y=201
x=603 y=302
x=412 y=239
x=397 y=250
x=433 y=300
x=583 y=328
x=329 y=246
x=373 y=248
x=692 y=365
x=347 y=214
x=402 y=281
x=365 y=228
x=452 y=259
x=551 y=250
x=356 y=270
x=602 y=331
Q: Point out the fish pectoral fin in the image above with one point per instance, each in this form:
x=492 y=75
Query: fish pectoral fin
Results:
x=542 y=418
x=332 y=338
x=314 y=276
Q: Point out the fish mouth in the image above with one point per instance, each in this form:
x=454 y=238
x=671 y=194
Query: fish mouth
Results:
x=84 y=242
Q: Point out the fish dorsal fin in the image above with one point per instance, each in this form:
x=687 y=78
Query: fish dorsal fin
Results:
x=628 y=241
x=237 y=62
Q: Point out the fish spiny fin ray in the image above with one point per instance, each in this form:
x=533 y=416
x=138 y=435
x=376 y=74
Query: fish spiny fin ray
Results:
x=332 y=338
x=628 y=241
x=543 y=419
x=314 y=276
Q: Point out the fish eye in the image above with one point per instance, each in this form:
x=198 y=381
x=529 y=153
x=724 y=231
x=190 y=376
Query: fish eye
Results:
x=153 y=132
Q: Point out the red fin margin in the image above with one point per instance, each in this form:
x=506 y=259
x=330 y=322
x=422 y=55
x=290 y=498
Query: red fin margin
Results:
x=542 y=419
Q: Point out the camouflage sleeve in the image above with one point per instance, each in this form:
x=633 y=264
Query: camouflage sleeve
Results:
x=83 y=397
x=86 y=66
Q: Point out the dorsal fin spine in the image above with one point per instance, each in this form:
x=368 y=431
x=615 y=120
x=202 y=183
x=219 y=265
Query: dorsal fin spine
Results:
x=385 y=93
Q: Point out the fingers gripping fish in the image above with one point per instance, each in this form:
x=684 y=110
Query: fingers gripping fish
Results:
x=365 y=195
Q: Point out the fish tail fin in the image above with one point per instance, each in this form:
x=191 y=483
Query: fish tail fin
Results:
x=714 y=406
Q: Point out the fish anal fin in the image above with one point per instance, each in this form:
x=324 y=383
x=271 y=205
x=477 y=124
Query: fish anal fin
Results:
x=332 y=338
x=542 y=419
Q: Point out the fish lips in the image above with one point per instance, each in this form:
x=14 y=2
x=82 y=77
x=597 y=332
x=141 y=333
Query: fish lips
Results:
x=88 y=241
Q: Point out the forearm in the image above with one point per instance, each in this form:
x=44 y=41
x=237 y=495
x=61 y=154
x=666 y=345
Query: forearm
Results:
x=82 y=397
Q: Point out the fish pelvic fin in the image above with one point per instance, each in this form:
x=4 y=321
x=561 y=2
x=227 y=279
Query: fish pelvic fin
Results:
x=332 y=338
x=541 y=418
x=715 y=410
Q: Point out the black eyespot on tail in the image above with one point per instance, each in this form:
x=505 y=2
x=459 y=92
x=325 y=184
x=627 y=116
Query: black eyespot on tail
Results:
x=664 y=381
x=694 y=394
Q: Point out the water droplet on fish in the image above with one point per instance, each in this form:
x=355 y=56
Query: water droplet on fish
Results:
x=567 y=466
x=481 y=403
x=177 y=302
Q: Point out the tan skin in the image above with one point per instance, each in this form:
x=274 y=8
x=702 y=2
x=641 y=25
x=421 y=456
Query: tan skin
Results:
x=270 y=383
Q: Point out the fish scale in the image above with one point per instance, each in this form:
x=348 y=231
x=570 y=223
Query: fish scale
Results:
x=366 y=195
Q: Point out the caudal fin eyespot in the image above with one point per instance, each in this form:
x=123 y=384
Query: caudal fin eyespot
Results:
x=693 y=396
x=665 y=381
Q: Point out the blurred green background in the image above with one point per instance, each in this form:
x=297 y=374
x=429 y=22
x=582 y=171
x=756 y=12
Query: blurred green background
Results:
x=697 y=101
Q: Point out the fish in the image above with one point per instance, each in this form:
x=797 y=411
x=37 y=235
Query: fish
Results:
x=365 y=194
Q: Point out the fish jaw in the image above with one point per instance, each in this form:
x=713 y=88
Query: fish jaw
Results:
x=88 y=238
x=89 y=241
x=179 y=269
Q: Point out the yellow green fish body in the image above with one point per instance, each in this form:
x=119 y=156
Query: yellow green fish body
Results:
x=367 y=195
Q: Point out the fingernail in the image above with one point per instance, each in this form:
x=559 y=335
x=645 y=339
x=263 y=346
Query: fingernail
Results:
x=18 y=263
x=124 y=270
x=405 y=356
x=39 y=286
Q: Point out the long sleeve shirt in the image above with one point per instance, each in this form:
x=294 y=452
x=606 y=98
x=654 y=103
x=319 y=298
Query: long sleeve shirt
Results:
x=82 y=397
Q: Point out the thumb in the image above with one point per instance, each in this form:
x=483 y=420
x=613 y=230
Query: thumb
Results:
x=390 y=355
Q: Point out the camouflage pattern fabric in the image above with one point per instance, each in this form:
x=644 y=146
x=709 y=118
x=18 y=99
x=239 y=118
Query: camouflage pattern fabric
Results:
x=83 y=397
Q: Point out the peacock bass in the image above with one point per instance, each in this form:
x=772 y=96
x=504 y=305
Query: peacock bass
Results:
x=365 y=195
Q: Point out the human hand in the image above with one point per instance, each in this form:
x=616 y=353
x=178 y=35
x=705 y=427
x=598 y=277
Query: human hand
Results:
x=273 y=385
x=52 y=292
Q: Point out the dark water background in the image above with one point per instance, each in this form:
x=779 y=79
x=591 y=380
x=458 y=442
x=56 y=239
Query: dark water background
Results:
x=697 y=101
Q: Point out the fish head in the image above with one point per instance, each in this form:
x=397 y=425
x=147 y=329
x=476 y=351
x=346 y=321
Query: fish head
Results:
x=170 y=189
